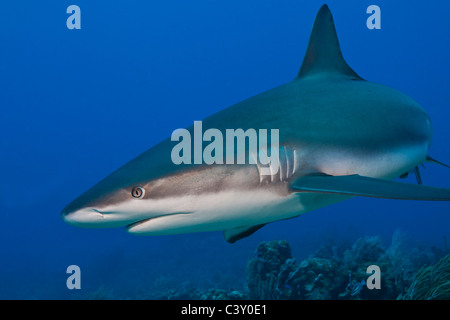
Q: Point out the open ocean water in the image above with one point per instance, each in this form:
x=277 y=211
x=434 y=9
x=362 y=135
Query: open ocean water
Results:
x=77 y=104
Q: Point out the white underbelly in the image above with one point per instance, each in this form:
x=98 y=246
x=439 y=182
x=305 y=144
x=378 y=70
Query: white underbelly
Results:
x=234 y=209
x=387 y=165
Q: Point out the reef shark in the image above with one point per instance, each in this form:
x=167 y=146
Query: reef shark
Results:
x=339 y=136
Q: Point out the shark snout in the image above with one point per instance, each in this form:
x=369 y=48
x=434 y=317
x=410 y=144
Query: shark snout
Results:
x=115 y=215
x=84 y=217
x=90 y=217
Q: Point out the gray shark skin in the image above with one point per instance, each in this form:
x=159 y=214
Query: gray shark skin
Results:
x=339 y=135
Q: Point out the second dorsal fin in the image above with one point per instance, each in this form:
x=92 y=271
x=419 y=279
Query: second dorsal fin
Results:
x=324 y=53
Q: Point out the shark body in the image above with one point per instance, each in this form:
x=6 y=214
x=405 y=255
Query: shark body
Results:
x=339 y=135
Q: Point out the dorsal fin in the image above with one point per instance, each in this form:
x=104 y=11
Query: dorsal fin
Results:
x=324 y=53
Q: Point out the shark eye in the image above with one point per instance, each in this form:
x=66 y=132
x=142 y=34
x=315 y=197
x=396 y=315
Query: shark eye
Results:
x=138 y=192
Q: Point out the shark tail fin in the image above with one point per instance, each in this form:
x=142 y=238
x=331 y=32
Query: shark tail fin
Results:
x=324 y=53
x=417 y=174
x=430 y=159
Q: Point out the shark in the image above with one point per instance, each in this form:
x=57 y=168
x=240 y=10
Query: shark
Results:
x=340 y=136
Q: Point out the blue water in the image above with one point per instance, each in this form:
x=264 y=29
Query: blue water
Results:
x=77 y=104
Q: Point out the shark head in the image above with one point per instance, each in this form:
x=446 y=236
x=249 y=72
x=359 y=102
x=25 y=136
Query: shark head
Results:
x=340 y=136
x=142 y=189
x=180 y=200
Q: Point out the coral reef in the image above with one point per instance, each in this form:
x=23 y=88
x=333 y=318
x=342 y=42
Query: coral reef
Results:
x=431 y=282
x=271 y=262
x=272 y=273
x=334 y=271
x=365 y=251
x=101 y=293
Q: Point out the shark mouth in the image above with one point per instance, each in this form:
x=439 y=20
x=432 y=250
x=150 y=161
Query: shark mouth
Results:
x=139 y=226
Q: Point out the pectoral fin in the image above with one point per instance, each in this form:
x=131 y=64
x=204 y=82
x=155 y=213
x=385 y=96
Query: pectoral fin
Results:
x=356 y=185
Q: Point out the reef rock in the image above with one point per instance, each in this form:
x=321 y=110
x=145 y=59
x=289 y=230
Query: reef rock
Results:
x=265 y=267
